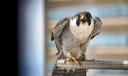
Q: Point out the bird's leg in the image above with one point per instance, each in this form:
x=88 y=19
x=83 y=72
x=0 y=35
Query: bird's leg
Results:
x=81 y=57
x=71 y=57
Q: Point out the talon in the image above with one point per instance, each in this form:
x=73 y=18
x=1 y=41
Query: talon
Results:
x=76 y=61
x=71 y=57
x=67 y=59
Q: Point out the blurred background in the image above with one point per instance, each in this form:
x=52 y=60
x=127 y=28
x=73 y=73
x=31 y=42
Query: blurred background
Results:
x=111 y=44
x=31 y=35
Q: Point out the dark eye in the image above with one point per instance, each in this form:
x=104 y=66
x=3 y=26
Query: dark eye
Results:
x=78 y=21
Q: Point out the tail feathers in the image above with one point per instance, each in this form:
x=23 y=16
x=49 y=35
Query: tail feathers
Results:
x=52 y=37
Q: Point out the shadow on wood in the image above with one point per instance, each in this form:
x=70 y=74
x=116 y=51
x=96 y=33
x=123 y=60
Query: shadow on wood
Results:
x=76 y=72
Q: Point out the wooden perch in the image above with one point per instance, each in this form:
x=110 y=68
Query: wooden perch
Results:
x=93 y=64
x=73 y=69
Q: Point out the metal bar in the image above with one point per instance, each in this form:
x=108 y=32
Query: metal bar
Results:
x=93 y=64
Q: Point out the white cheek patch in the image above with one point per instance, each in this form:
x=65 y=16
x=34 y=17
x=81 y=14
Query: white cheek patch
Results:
x=83 y=30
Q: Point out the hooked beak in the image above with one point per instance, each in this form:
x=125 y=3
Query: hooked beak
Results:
x=82 y=18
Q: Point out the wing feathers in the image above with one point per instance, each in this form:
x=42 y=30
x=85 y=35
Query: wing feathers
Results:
x=97 y=27
x=59 y=27
x=56 y=34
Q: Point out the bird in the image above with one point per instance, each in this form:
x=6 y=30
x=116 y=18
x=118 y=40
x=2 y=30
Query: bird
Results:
x=72 y=35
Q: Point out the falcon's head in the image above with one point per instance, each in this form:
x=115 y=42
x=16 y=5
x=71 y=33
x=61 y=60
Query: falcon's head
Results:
x=82 y=18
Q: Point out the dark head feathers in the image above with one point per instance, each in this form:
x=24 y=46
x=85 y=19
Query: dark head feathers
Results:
x=87 y=16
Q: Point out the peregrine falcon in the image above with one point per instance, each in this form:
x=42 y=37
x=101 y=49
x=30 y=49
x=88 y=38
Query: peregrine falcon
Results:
x=72 y=35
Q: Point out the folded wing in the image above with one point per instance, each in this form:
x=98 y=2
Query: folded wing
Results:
x=57 y=32
x=97 y=27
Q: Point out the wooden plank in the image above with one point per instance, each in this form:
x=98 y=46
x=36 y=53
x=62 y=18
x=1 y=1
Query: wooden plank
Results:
x=79 y=72
x=93 y=64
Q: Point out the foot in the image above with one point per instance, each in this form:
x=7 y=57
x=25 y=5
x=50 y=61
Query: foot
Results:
x=70 y=57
